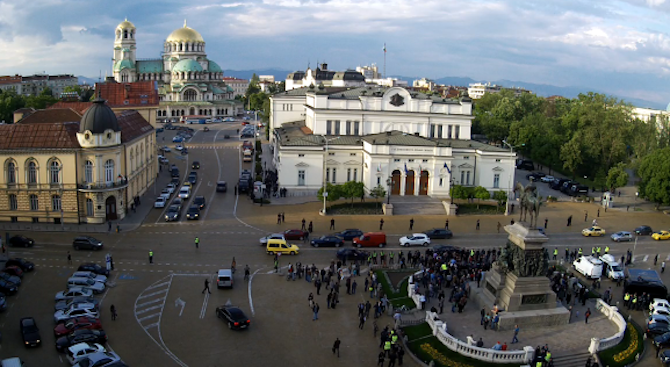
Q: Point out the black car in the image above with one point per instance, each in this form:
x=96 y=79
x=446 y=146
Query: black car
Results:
x=643 y=231
x=221 y=186
x=3 y=302
x=30 y=332
x=173 y=213
x=525 y=164
x=352 y=254
x=87 y=243
x=21 y=241
x=557 y=183
x=535 y=176
x=350 y=234
x=80 y=336
x=665 y=357
x=656 y=329
x=176 y=181
x=327 y=241
x=662 y=341
x=235 y=318
x=94 y=268
x=192 y=178
x=24 y=264
x=193 y=212
x=199 y=201
x=11 y=278
x=8 y=287
x=195 y=165
x=438 y=233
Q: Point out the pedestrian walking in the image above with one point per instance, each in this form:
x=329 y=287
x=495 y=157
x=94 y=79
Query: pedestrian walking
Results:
x=446 y=224
x=586 y=315
x=515 y=338
x=310 y=228
x=336 y=347
x=569 y=221
x=283 y=218
x=112 y=311
x=586 y=216
x=206 y=287
x=151 y=257
x=278 y=218
x=477 y=228
x=499 y=225
x=381 y=224
x=235 y=190
x=546 y=221
x=246 y=272
x=315 y=310
x=655 y=259
x=361 y=322
x=303 y=224
x=411 y=224
x=197 y=242
x=380 y=359
x=109 y=226
x=332 y=223
x=69 y=258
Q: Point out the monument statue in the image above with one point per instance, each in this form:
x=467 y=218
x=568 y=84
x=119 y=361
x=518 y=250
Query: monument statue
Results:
x=529 y=202
x=523 y=263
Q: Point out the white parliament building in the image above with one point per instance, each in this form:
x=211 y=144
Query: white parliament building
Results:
x=416 y=143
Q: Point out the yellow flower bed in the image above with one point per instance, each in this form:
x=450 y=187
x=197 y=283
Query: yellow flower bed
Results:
x=632 y=348
x=437 y=356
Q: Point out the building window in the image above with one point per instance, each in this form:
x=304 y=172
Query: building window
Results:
x=331 y=154
x=396 y=160
x=496 y=181
x=301 y=178
x=462 y=177
x=425 y=161
x=466 y=157
x=498 y=160
x=356 y=127
x=89 y=208
x=348 y=174
x=432 y=131
x=355 y=174
x=301 y=155
x=410 y=160
x=441 y=182
x=334 y=175
x=352 y=154
x=379 y=181
x=56 y=203
x=54 y=172
x=337 y=127
x=329 y=127
x=467 y=177
x=32 y=173
x=327 y=174
x=109 y=171
x=13 y=203
x=457 y=131
x=348 y=127
x=449 y=131
x=34 y=202
x=11 y=173
x=439 y=131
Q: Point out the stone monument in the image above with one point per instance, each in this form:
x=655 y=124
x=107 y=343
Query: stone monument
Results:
x=518 y=281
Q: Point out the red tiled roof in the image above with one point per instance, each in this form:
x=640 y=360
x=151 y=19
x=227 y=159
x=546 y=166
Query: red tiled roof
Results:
x=59 y=135
x=142 y=93
x=10 y=79
x=80 y=107
x=133 y=125
x=52 y=115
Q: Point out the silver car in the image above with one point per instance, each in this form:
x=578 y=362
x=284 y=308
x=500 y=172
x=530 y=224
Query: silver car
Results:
x=98 y=359
x=74 y=292
x=65 y=304
x=274 y=236
x=89 y=283
x=91 y=275
x=622 y=236
x=83 y=309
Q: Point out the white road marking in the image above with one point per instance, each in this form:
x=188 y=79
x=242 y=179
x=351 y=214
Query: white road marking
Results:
x=148 y=309
x=147 y=317
x=158 y=285
x=153 y=294
x=148 y=303
x=646 y=257
x=179 y=302
x=251 y=301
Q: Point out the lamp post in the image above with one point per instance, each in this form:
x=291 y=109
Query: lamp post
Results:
x=389 y=183
x=635 y=204
x=509 y=186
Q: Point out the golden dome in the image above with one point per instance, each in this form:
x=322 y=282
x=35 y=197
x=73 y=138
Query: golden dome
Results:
x=126 y=25
x=185 y=34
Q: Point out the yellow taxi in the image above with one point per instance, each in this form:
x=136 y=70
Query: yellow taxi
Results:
x=278 y=246
x=594 y=231
x=661 y=235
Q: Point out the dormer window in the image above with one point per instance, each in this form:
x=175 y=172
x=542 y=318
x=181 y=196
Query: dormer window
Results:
x=109 y=136
x=87 y=136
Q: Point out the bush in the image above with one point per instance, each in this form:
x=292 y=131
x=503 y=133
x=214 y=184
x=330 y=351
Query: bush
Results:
x=551 y=199
x=353 y=208
x=626 y=351
x=478 y=209
x=259 y=168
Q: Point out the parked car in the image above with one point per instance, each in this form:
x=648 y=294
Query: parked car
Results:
x=535 y=176
x=160 y=202
x=78 y=351
x=656 y=329
x=93 y=268
x=658 y=302
x=10 y=278
x=273 y=236
x=295 y=234
x=177 y=139
x=3 y=302
x=665 y=357
x=106 y=359
x=661 y=311
x=30 y=332
x=643 y=231
x=65 y=304
x=73 y=292
x=21 y=241
x=24 y=264
x=622 y=236
x=327 y=241
x=661 y=235
x=193 y=213
x=658 y=319
x=82 y=310
x=80 y=336
x=91 y=275
x=96 y=287
x=13 y=270
x=352 y=254
x=234 y=317
x=416 y=239
x=87 y=243
x=594 y=231
x=547 y=179
x=90 y=323
x=438 y=233
x=349 y=234
x=8 y=288
x=199 y=201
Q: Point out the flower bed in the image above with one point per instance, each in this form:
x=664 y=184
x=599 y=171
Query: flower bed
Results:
x=397 y=299
x=625 y=352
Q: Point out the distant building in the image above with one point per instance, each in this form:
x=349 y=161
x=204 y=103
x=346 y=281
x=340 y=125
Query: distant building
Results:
x=369 y=72
x=322 y=76
x=477 y=90
x=239 y=86
x=424 y=83
x=388 y=82
x=35 y=84
x=266 y=78
x=660 y=117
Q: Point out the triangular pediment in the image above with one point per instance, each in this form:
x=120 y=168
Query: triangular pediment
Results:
x=498 y=169
x=302 y=164
x=352 y=163
x=332 y=162
x=466 y=165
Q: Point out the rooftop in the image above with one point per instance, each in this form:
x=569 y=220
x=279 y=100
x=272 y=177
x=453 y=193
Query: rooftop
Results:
x=355 y=93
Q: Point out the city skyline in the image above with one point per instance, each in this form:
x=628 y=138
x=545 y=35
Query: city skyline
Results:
x=620 y=47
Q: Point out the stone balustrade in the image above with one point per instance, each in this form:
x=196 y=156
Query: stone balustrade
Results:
x=612 y=313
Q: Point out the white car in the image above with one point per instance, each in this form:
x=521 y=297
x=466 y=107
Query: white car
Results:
x=77 y=352
x=274 y=236
x=660 y=311
x=165 y=193
x=160 y=202
x=98 y=359
x=185 y=192
x=76 y=282
x=416 y=239
x=547 y=178
x=659 y=302
x=167 y=149
x=179 y=147
x=74 y=292
x=172 y=187
x=79 y=310
x=90 y=275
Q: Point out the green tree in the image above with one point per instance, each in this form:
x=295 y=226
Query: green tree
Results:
x=500 y=196
x=47 y=92
x=352 y=190
x=257 y=100
x=334 y=192
x=571 y=152
x=10 y=102
x=378 y=192
x=459 y=192
x=654 y=173
x=617 y=177
x=481 y=193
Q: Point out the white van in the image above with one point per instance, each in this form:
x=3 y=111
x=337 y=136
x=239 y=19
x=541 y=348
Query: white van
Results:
x=612 y=269
x=589 y=266
x=224 y=278
x=12 y=362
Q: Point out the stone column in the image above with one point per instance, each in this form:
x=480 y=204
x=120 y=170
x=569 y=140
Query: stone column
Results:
x=417 y=183
x=403 y=178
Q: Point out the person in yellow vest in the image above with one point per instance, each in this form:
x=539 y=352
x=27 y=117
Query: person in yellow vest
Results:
x=443 y=267
x=374 y=257
x=547 y=357
x=472 y=253
x=390 y=257
x=539 y=364
x=387 y=347
x=394 y=338
x=555 y=252
x=598 y=251
x=634 y=302
x=579 y=252
x=607 y=249
x=593 y=251
x=626 y=300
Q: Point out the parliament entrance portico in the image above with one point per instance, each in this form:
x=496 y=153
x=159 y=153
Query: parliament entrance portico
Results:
x=410 y=183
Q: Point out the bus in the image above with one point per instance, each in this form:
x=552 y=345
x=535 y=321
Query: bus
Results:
x=195 y=119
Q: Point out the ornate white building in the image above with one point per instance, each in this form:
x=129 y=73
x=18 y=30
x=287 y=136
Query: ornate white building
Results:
x=188 y=82
x=419 y=143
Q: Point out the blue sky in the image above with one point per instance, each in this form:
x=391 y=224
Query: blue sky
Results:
x=621 y=47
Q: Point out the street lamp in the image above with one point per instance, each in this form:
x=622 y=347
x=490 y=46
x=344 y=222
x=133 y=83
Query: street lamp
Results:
x=635 y=204
x=509 y=186
x=389 y=183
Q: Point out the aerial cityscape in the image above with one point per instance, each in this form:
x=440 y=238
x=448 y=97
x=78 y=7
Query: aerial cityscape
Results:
x=459 y=184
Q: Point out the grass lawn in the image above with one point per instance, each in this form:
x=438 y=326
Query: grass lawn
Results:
x=398 y=299
x=358 y=208
x=428 y=348
x=621 y=351
x=484 y=209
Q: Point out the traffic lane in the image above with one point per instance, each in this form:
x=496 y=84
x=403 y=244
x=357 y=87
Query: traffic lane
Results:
x=208 y=175
x=543 y=188
x=223 y=204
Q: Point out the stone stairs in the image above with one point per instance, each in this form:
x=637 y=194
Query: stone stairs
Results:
x=417 y=205
x=567 y=359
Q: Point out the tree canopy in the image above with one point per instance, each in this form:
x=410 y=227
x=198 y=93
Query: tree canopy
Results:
x=654 y=173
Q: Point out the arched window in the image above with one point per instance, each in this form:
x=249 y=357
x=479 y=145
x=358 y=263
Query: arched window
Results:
x=34 y=202
x=137 y=157
x=56 y=203
x=118 y=34
x=11 y=173
x=13 y=202
x=109 y=171
x=125 y=33
x=89 y=208
x=32 y=172
x=54 y=172
x=88 y=172
x=190 y=95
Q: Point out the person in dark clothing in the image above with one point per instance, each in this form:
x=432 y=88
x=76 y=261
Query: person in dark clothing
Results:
x=332 y=224
x=361 y=322
x=112 y=310
x=446 y=224
x=401 y=354
x=310 y=228
x=411 y=224
x=380 y=359
x=477 y=228
x=569 y=221
x=303 y=224
x=206 y=287
x=381 y=226
x=336 y=347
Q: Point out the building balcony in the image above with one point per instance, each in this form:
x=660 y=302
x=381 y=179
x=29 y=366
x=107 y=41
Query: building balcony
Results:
x=38 y=186
x=120 y=183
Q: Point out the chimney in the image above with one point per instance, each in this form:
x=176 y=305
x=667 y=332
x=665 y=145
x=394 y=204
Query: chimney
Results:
x=110 y=79
x=416 y=134
x=388 y=133
x=324 y=66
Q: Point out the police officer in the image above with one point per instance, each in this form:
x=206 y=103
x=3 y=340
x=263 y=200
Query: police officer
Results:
x=151 y=257
x=391 y=258
x=607 y=249
x=555 y=252
x=579 y=252
x=598 y=251
x=197 y=242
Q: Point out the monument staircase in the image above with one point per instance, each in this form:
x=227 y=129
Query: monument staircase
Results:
x=575 y=358
x=417 y=205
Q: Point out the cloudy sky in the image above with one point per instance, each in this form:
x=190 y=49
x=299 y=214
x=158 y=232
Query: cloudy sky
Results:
x=620 y=47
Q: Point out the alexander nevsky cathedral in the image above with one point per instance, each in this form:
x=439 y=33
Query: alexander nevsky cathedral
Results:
x=188 y=82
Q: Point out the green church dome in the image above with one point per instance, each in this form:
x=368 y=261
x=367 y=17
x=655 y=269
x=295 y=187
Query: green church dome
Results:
x=187 y=65
x=214 y=67
x=123 y=64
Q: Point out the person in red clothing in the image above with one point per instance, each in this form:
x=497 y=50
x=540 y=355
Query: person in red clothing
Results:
x=504 y=346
